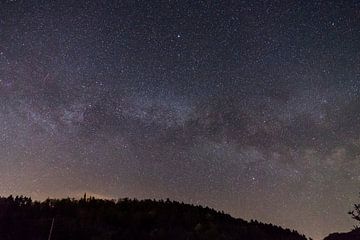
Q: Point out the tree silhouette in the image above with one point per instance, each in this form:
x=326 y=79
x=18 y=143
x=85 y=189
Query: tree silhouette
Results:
x=355 y=213
x=90 y=218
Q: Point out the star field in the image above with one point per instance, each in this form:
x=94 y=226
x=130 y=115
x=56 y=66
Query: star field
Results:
x=251 y=107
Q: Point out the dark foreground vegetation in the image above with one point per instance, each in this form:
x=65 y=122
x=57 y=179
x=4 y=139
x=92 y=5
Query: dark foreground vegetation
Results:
x=92 y=219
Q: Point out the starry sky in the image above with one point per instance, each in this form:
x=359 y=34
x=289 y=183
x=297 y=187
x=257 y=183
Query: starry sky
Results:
x=251 y=107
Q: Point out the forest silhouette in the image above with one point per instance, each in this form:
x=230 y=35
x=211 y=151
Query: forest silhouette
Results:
x=90 y=218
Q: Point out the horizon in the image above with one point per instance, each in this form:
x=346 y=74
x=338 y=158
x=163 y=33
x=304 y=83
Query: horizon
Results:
x=188 y=220
x=80 y=195
x=251 y=107
x=87 y=196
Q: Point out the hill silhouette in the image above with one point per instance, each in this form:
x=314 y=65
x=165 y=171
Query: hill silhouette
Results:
x=353 y=235
x=90 y=218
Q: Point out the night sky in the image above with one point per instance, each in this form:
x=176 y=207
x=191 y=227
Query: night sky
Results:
x=251 y=107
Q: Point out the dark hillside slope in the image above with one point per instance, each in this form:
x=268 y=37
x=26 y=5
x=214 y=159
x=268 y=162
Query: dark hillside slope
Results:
x=21 y=218
x=353 y=235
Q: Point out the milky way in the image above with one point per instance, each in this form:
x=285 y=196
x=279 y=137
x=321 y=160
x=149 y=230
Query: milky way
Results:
x=251 y=107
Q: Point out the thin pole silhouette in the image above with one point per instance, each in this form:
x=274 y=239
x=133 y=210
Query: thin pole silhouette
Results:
x=51 y=228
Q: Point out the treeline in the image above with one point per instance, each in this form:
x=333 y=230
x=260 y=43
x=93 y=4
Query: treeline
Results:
x=93 y=219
